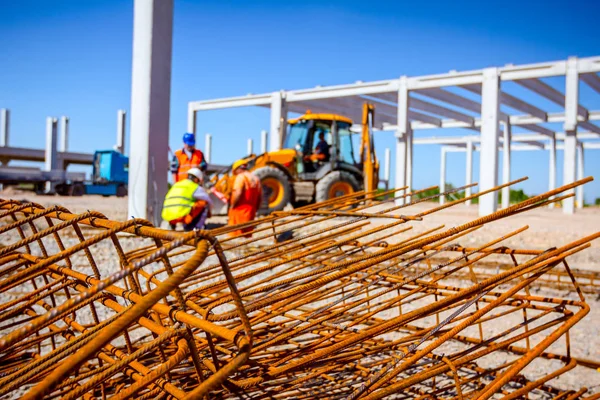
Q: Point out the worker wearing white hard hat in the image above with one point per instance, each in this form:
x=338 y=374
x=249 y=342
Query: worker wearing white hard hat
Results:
x=187 y=202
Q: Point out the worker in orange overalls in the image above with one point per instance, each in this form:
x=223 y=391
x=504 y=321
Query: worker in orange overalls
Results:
x=246 y=198
x=187 y=158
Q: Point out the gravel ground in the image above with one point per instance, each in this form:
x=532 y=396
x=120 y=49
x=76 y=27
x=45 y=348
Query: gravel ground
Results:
x=547 y=228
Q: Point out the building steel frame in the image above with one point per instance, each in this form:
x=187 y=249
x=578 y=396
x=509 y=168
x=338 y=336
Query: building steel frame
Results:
x=474 y=100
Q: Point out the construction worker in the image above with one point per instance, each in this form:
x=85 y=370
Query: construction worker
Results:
x=187 y=202
x=246 y=198
x=322 y=148
x=186 y=158
x=321 y=153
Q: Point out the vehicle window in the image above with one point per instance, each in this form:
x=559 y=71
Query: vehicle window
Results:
x=346 y=151
x=296 y=137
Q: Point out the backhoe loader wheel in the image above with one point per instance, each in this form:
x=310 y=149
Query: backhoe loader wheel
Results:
x=276 y=188
x=336 y=184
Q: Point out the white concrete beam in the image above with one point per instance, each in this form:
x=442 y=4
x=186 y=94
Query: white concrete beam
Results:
x=264 y=139
x=191 y=119
x=571 y=111
x=469 y=170
x=121 y=129
x=538 y=129
x=439 y=110
x=150 y=100
x=4 y=127
x=278 y=120
x=506 y=164
x=51 y=157
x=356 y=89
x=547 y=91
x=552 y=167
x=450 y=79
x=579 y=194
x=590 y=127
x=250 y=148
x=592 y=81
x=229 y=102
x=409 y=162
x=488 y=166
x=417 y=116
x=401 y=137
x=64 y=134
x=208 y=148
x=452 y=98
x=533 y=143
x=442 y=199
x=387 y=164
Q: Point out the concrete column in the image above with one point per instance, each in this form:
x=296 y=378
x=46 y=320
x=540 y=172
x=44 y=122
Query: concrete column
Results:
x=506 y=163
x=250 y=147
x=469 y=170
x=570 y=126
x=208 y=147
x=4 y=126
x=580 y=175
x=150 y=101
x=386 y=165
x=264 y=138
x=488 y=165
x=409 y=162
x=64 y=134
x=552 y=167
x=121 y=120
x=278 y=120
x=191 y=122
x=402 y=137
x=442 y=174
x=51 y=157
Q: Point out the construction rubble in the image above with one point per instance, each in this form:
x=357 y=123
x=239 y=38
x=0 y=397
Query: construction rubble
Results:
x=343 y=299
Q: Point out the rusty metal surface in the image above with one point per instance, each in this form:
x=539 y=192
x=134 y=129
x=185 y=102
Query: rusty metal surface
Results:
x=349 y=298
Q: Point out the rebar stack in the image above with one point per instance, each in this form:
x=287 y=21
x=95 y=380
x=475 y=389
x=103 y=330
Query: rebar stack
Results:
x=349 y=298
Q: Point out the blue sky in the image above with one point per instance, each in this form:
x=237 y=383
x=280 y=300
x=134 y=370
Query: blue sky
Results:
x=73 y=57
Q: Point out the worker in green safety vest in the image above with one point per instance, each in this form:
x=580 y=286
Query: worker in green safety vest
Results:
x=187 y=202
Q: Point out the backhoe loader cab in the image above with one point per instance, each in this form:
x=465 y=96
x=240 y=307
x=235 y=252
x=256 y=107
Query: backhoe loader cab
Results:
x=317 y=162
x=304 y=136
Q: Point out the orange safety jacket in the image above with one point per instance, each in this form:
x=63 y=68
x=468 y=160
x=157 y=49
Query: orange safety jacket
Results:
x=247 y=206
x=182 y=164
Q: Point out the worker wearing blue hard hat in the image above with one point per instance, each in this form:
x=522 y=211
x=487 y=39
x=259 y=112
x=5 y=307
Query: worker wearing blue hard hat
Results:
x=187 y=158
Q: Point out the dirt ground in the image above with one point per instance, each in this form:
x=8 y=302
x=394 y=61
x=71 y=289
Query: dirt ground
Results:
x=546 y=228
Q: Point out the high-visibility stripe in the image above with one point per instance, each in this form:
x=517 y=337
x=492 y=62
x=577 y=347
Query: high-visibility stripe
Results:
x=179 y=200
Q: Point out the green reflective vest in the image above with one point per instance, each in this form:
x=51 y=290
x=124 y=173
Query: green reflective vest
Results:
x=179 y=200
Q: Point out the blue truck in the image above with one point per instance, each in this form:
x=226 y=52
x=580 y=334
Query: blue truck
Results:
x=110 y=174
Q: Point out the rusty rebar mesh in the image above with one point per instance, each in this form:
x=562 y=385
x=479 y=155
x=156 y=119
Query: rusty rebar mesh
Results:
x=348 y=298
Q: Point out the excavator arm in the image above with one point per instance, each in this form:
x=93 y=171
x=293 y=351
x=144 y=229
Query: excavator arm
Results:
x=367 y=149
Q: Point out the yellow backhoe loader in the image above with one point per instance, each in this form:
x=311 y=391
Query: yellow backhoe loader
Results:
x=317 y=162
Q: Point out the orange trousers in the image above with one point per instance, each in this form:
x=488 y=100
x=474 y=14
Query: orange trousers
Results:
x=239 y=215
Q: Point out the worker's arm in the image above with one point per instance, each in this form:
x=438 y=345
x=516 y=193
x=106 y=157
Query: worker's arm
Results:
x=236 y=193
x=201 y=195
